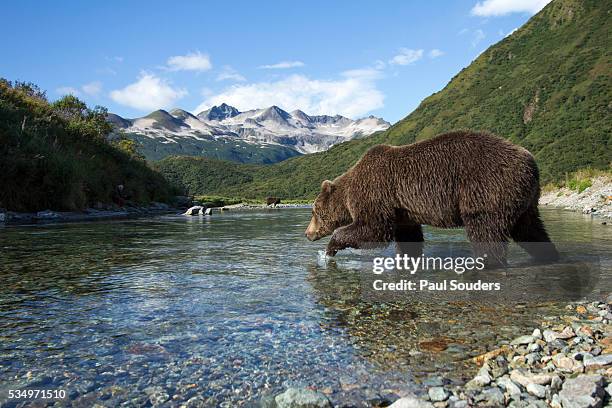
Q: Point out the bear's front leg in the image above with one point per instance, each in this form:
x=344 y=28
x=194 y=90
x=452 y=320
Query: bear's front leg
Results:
x=357 y=235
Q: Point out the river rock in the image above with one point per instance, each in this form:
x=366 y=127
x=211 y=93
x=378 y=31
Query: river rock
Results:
x=522 y=340
x=565 y=363
x=491 y=397
x=567 y=333
x=549 y=335
x=537 y=390
x=498 y=366
x=438 y=394
x=526 y=377
x=482 y=379
x=195 y=210
x=537 y=333
x=508 y=385
x=555 y=383
x=609 y=390
x=411 y=402
x=534 y=347
x=602 y=361
x=301 y=398
x=584 y=391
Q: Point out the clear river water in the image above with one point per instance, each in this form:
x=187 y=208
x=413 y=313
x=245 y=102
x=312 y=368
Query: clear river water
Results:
x=227 y=309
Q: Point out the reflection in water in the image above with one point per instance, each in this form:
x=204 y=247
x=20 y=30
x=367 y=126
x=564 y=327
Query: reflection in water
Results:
x=235 y=306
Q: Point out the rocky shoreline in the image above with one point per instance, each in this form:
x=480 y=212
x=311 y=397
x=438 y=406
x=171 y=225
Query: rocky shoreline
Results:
x=594 y=200
x=245 y=206
x=564 y=363
x=89 y=214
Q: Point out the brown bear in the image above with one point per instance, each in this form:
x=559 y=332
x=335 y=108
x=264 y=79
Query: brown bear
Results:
x=458 y=179
x=272 y=201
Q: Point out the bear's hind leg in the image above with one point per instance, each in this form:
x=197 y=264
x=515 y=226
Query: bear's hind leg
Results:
x=408 y=239
x=530 y=234
x=489 y=240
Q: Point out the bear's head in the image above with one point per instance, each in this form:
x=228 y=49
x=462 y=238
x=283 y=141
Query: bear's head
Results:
x=328 y=212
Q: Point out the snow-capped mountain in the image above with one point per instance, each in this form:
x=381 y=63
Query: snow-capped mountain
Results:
x=208 y=133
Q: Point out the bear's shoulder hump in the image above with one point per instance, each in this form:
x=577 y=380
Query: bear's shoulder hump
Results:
x=378 y=149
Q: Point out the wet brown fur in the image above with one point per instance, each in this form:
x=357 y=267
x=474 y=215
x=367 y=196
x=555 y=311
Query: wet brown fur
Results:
x=459 y=179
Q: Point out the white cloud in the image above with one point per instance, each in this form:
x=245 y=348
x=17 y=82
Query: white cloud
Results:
x=67 y=90
x=195 y=61
x=379 y=64
x=435 y=53
x=406 y=56
x=478 y=36
x=229 y=73
x=283 y=65
x=92 y=88
x=148 y=92
x=353 y=94
x=494 y=8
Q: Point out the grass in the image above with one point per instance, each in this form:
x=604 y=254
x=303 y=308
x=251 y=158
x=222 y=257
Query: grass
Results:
x=580 y=180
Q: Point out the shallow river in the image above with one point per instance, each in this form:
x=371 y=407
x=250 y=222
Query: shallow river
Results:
x=239 y=305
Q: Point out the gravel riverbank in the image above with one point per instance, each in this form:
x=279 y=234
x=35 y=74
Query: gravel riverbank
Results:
x=594 y=200
x=566 y=362
x=89 y=214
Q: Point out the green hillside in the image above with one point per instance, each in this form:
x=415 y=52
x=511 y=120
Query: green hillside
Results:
x=546 y=87
x=56 y=155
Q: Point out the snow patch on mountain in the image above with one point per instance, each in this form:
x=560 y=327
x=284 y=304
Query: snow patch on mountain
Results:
x=270 y=126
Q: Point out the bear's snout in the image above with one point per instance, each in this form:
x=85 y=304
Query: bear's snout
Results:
x=311 y=231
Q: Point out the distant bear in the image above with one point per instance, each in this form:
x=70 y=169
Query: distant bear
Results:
x=458 y=179
x=273 y=201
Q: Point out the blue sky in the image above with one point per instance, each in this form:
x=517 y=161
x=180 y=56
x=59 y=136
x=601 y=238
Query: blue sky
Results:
x=353 y=58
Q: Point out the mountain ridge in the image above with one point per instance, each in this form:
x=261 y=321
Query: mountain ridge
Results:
x=258 y=135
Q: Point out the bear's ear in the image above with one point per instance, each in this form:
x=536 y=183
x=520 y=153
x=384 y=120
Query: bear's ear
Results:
x=327 y=186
